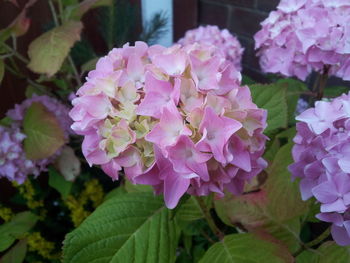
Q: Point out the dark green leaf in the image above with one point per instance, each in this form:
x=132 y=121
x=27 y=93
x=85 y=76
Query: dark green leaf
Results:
x=294 y=89
x=273 y=99
x=43 y=131
x=276 y=208
x=247 y=80
x=57 y=181
x=246 y=248
x=335 y=91
x=17 y=227
x=16 y=254
x=328 y=252
x=134 y=227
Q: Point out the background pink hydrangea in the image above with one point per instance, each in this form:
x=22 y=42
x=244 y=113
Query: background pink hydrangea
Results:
x=322 y=161
x=227 y=45
x=13 y=162
x=302 y=36
x=175 y=118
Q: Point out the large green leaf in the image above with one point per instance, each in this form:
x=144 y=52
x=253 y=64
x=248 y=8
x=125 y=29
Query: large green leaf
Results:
x=246 y=248
x=294 y=89
x=17 y=227
x=48 y=51
x=134 y=227
x=283 y=194
x=16 y=254
x=272 y=98
x=43 y=131
x=276 y=208
x=328 y=252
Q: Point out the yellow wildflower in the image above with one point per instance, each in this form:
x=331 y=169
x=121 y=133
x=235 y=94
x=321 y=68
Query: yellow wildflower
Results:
x=6 y=213
x=40 y=245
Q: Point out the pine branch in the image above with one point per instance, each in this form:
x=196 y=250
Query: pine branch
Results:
x=155 y=28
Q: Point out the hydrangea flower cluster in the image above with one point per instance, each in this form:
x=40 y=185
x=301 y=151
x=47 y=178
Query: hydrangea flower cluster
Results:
x=322 y=161
x=304 y=36
x=175 y=118
x=227 y=45
x=13 y=162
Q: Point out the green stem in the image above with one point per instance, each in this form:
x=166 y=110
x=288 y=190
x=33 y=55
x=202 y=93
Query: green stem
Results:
x=314 y=242
x=53 y=12
x=60 y=10
x=70 y=60
x=323 y=82
x=209 y=218
x=16 y=54
x=319 y=239
x=75 y=70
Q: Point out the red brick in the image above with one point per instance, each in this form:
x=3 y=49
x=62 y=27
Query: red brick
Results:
x=213 y=14
x=249 y=55
x=245 y=22
x=267 y=5
x=185 y=16
x=240 y=3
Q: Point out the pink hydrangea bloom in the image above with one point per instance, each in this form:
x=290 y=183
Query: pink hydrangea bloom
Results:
x=13 y=162
x=302 y=36
x=175 y=118
x=322 y=161
x=227 y=45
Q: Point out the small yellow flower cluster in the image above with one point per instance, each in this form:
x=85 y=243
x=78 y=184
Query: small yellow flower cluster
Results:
x=28 y=192
x=5 y=213
x=40 y=245
x=76 y=207
x=93 y=192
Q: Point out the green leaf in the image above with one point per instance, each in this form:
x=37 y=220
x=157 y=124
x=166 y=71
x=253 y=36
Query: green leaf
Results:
x=135 y=227
x=6 y=121
x=57 y=181
x=132 y=188
x=247 y=80
x=272 y=98
x=331 y=252
x=16 y=228
x=335 y=91
x=76 y=12
x=246 y=248
x=43 y=131
x=119 y=191
x=283 y=194
x=190 y=210
x=276 y=208
x=31 y=90
x=16 y=254
x=48 y=51
x=90 y=65
x=2 y=70
x=294 y=89
x=306 y=256
x=328 y=252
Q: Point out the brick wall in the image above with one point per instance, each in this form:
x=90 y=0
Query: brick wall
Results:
x=242 y=18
